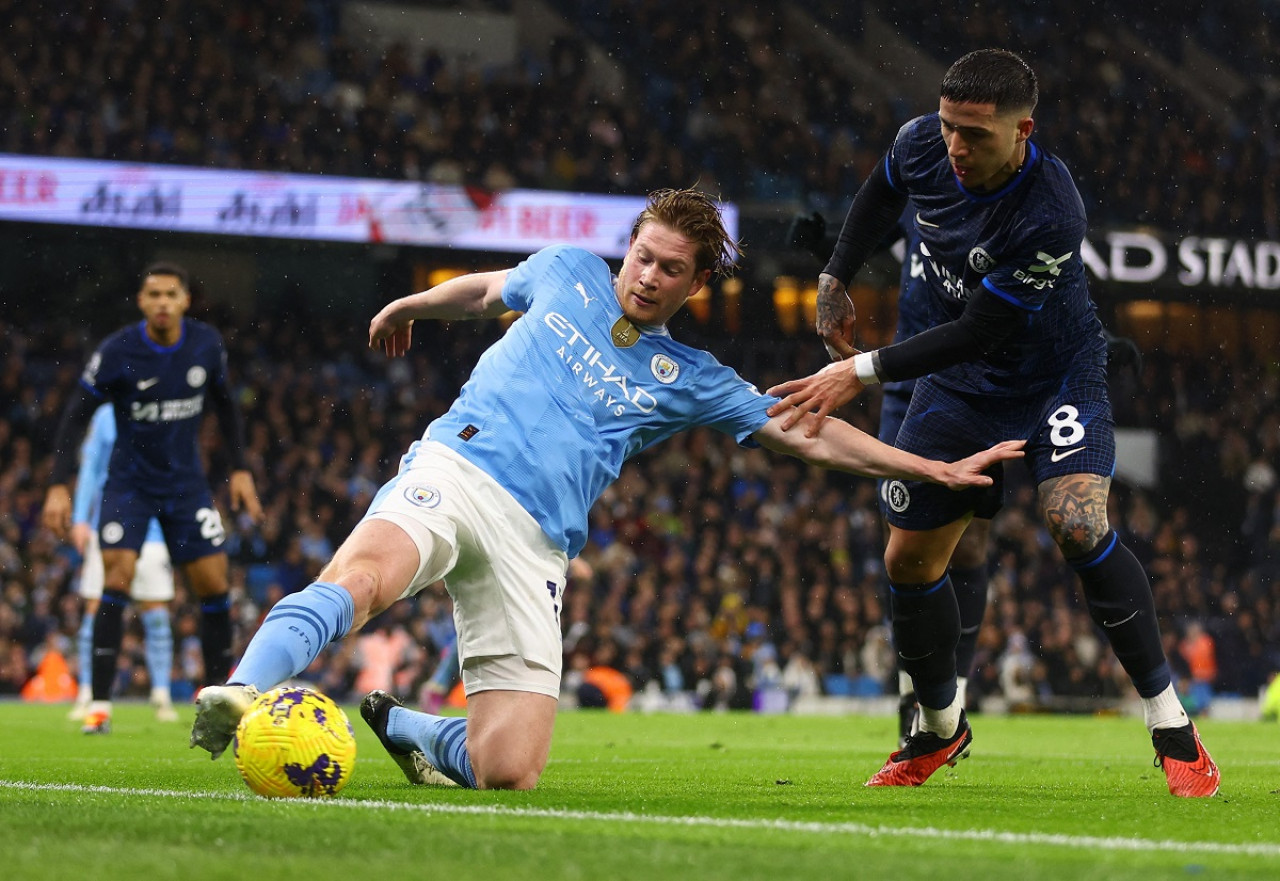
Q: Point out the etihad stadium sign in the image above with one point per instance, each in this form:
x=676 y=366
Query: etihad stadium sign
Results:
x=1136 y=257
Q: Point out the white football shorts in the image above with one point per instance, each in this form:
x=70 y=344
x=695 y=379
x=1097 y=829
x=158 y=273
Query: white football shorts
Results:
x=505 y=576
x=152 y=576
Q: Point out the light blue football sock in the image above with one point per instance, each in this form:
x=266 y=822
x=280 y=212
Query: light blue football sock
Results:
x=158 y=646
x=84 y=651
x=293 y=634
x=449 y=670
x=442 y=739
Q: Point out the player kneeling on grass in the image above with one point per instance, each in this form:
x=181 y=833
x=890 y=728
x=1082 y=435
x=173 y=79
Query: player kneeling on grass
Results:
x=496 y=493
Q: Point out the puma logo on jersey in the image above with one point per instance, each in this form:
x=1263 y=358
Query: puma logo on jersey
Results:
x=586 y=301
x=144 y=384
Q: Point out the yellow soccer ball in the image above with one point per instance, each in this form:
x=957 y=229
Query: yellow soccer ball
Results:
x=295 y=743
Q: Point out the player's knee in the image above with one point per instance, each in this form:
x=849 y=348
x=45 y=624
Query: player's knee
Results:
x=971 y=552
x=505 y=772
x=905 y=566
x=1076 y=536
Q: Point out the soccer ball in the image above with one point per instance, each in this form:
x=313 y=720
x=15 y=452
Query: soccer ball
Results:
x=294 y=743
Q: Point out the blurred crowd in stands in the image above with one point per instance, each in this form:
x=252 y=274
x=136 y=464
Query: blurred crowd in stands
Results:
x=712 y=570
x=740 y=98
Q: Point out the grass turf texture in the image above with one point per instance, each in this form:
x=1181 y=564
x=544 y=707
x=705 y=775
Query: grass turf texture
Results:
x=731 y=796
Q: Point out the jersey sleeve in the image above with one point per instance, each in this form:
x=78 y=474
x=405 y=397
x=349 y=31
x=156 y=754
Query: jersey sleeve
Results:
x=95 y=454
x=1039 y=266
x=897 y=160
x=100 y=371
x=521 y=284
x=736 y=407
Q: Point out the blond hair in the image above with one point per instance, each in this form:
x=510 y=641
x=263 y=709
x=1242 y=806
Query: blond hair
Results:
x=696 y=216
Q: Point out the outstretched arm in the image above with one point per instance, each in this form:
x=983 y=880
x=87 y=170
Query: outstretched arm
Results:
x=845 y=448
x=478 y=295
x=987 y=321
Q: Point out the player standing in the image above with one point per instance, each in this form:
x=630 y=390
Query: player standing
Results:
x=158 y=375
x=496 y=494
x=151 y=588
x=969 y=570
x=1014 y=349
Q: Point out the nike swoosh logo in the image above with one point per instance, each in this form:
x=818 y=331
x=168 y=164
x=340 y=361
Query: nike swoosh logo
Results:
x=1059 y=455
x=144 y=384
x=920 y=220
x=1121 y=621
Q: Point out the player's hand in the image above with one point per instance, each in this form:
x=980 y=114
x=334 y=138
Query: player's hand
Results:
x=968 y=472
x=245 y=495
x=820 y=393
x=56 y=516
x=394 y=333
x=80 y=533
x=835 y=318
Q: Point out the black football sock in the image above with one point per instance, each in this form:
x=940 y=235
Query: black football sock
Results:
x=926 y=627
x=108 y=633
x=1118 y=593
x=971 y=596
x=215 y=638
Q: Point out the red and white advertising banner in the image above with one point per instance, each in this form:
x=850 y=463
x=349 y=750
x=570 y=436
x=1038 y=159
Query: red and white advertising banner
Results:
x=177 y=198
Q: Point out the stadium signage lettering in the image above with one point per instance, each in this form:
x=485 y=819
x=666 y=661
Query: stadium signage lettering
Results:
x=1135 y=257
x=124 y=205
x=290 y=211
x=22 y=187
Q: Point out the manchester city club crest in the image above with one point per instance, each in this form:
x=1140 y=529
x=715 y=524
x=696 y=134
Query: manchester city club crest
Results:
x=196 y=376
x=423 y=496
x=664 y=369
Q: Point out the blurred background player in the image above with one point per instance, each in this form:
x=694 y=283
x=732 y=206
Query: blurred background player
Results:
x=152 y=586
x=1014 y=348
x=158 y=374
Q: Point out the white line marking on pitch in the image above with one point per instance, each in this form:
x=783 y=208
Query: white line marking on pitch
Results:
x=990 y=836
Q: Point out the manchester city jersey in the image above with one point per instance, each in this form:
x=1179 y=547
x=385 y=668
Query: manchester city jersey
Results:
x=158 y=395
x=553 y=409
x=1021 y=242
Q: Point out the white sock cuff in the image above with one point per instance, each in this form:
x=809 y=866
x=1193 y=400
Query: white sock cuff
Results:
x=1164 y=710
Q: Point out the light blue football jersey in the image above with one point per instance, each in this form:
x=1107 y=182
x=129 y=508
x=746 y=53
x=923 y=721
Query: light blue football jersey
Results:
x=553 y=409
x=95 y=454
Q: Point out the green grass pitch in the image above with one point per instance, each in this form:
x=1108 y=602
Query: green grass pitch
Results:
x=712 y=796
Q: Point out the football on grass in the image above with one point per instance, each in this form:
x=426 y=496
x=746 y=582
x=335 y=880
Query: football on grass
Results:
x=295 y=743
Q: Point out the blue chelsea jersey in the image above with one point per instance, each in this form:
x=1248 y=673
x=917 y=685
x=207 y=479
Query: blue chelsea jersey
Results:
x=158 y=396
x=553 y=409
x=1021 y=242
x=95 y=453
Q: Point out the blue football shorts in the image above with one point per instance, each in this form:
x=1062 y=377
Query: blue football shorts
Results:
x=1069 y=432
x=191 y=524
